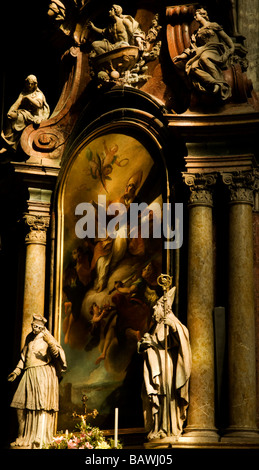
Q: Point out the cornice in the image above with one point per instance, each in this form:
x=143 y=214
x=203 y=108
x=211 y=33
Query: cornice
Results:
x=236 y=123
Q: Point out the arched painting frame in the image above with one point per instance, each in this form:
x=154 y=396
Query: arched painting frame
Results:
x=106 y=288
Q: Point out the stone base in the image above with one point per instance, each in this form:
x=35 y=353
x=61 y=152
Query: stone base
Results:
x=162 y=443
x=241 y=435
x=193 y=435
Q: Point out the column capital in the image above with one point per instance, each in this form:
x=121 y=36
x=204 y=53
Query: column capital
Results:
x=38 y=225
x=201 y=186
x=241 y=185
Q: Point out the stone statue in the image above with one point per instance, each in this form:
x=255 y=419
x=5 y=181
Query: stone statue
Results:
x=123 y=30
x=207 y=57
x=30 y=107
x=118 y=52
x=37 y=396
x=167 y=367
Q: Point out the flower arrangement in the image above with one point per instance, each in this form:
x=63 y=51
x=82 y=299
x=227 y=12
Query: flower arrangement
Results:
x=88 y=437
x=85 y=435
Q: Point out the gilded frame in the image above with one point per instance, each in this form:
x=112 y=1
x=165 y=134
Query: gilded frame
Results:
x=147 y=138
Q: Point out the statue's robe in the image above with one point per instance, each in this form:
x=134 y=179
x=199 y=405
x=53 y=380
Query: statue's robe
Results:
x=156 y=387
x=38 y=391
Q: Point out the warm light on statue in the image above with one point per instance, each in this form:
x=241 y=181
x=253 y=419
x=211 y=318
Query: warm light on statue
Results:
x=167 y=368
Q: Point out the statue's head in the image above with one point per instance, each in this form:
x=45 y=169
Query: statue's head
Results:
x=31 y=83
x=159 y=308
x=201 y=12
x=38 y=323
x=117 y=9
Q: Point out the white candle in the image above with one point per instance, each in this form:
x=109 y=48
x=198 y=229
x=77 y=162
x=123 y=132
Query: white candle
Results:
x=116 y=427
x=42 y=429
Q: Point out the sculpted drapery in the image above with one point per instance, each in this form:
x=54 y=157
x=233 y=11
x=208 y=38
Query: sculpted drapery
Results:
x=29 y=108
x=207 y=57
x=157 y=386
x=37 y=396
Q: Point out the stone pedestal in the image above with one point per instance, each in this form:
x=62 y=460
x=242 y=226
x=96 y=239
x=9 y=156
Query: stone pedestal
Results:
x=241 y=319
x=201 y=412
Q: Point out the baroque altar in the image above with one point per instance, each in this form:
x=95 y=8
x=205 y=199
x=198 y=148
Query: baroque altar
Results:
x=154 y=106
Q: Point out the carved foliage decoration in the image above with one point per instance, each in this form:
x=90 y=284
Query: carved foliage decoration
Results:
x=38 y=226
x=201 y=186
x=241 y=186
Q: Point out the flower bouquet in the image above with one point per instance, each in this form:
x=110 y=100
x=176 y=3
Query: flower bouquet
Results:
x=85 y=435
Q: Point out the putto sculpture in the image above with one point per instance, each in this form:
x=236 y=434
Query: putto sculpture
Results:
x=37 y=396
x=29 y=108
x=167 y=368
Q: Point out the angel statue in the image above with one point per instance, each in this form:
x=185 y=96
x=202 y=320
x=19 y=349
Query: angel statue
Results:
x=167 y=368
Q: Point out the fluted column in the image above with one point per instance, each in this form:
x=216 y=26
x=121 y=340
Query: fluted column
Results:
x=241 y=317
x=34 y=285
x=201 y=412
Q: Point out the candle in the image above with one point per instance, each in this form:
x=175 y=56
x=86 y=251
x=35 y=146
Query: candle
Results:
x=116 y=427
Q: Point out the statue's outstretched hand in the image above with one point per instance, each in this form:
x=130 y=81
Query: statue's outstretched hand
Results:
x=11 y=377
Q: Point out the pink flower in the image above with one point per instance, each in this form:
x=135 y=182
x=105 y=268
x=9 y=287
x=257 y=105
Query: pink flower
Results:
x=58 y=439
x=71 y=444
x=88 y=445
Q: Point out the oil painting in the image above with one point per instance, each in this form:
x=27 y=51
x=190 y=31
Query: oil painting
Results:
x=109 y=284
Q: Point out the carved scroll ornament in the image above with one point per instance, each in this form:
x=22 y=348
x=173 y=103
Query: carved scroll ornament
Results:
x=241 y=186
x=201 y=186
x=49 y=138
x=124 y=65
x=38 y=226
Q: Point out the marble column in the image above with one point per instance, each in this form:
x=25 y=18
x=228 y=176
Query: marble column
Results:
x=201 y=412
x=241 y=310
x=34 y=285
